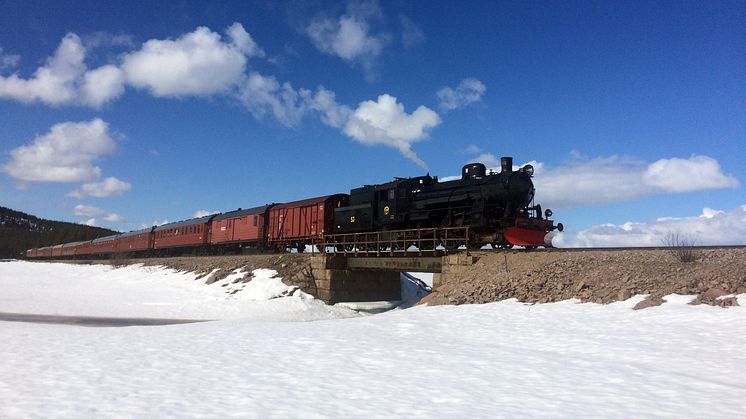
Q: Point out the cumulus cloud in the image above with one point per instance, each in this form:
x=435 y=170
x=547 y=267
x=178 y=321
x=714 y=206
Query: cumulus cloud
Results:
x=606 y=180
x=64 y=80
x=91 y=222
x=264 y=94
x=204 y=213
x=473 y=149
x=711 y=227
x=349 y=37
x=107 y=188
x=468 y=91
x=198 y=63
x=386 y=122
x=65 y=154
x=93 y=212
x=488 y=159
x=373 y=122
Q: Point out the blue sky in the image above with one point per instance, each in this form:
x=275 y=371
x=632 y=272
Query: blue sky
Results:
x=128 y=114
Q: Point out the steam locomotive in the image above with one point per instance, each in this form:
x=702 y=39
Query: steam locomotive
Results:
x=496 y=206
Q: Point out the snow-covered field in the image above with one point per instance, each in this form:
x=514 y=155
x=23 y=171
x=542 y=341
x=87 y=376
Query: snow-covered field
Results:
x=265 y=359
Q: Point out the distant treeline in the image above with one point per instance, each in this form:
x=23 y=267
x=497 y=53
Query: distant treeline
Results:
x=20 y=231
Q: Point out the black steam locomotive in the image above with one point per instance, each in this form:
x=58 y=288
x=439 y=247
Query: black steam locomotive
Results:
x=495 y=206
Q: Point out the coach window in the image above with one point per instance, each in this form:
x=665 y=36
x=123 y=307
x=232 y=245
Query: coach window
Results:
x=256 y=220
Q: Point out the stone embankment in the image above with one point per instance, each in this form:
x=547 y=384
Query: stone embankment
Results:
x=601 y=276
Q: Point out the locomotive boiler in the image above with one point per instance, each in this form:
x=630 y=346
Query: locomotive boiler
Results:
x=496 y=206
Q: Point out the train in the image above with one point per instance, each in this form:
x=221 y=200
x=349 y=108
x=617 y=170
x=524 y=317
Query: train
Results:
x=495 y=208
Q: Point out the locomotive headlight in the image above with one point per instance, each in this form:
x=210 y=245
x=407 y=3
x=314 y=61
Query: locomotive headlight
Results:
x=528 y=169
x=548 y=213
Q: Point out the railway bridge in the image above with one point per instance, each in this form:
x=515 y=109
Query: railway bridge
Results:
x=343 y=277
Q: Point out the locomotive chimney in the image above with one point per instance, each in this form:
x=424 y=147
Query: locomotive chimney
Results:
x=506 y=164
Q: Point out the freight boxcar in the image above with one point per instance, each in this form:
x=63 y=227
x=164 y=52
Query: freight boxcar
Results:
x=298 y=223
x=135 y=241
x=246 y=226
x=194 y=233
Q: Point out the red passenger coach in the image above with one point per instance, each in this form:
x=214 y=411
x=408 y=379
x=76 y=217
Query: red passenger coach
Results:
x=298 y=223
x=135 y=241
x=188 y=233
x=70 y=249
x=240 y=226
x=103 y=245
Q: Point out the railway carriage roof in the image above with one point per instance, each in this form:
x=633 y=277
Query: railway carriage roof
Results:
x=103 y=239
x=241 y=213
x=194 y=221
x=136 y=232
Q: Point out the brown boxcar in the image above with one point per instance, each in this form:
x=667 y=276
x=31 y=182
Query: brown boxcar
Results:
x=103 y=245
x=240 y=226
x=135 y=241
x=188 y=233
x=301 y=222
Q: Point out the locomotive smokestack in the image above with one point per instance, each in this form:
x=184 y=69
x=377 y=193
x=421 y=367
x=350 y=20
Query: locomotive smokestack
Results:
x=506 y=164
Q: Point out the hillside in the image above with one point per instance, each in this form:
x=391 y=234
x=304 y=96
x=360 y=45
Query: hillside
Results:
x=20 y=231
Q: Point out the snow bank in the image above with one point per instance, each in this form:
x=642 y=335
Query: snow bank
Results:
x=155 y=292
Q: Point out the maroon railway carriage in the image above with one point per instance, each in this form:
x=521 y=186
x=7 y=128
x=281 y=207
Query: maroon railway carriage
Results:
x=240 y=226
x=69 y=250
x=31 y=253
x=44 y=252
x=57 y=250
x=103 y=245
x=295 y=224
x=135 y=241
x=189 y=233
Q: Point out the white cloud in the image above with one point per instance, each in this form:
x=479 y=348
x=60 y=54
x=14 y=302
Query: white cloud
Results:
x=65 y=154
x=614 y=179
x=262 y=94
x=685 y=175
x=8 y=60
x=349 y=36
x=91 y=222
x=411 y=35
x=488 y=159
x=108 y=187
x=712 y=227
x=473 y=149
x=102 y=85
x=63 y=80
x=93 y=212
x=197 y=63
x=468 y=91
x=114 y=218
x=385 y=122
x=204 y=213
x=381 y=122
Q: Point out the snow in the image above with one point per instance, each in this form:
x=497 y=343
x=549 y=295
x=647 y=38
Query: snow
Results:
x=502 y=359
x=157 y=292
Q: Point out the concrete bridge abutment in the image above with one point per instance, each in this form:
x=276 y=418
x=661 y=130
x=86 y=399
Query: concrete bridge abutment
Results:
x=349 y=278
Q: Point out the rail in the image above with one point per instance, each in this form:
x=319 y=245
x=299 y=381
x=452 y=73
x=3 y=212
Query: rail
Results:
x=397 y=242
